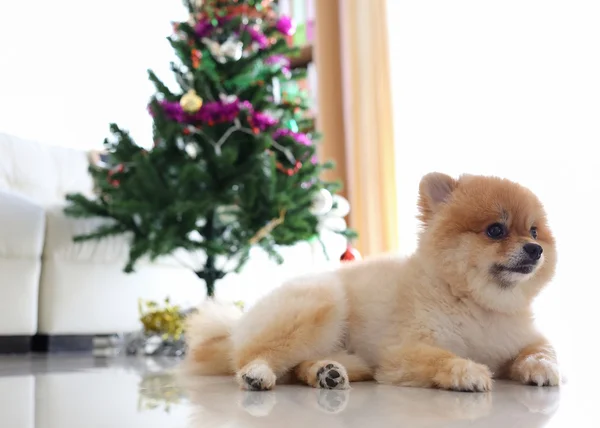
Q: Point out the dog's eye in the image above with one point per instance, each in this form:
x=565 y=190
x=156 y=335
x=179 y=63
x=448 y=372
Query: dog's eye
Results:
x=533 y=232
x=496 y=231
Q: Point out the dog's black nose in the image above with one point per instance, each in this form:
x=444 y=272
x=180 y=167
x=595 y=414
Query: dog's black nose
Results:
x=534 y=251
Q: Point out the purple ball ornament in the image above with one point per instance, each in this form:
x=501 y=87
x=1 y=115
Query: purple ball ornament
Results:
x=285 y=25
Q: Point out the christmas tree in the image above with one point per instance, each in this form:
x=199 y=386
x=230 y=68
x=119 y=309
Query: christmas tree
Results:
x=233 y=163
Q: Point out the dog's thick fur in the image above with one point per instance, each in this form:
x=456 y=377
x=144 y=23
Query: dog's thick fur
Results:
x=454 y=315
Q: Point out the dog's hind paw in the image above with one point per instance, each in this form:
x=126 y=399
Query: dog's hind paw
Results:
x=332 y=376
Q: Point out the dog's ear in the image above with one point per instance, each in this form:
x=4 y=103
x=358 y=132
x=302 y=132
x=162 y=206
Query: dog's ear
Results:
x=435 y=189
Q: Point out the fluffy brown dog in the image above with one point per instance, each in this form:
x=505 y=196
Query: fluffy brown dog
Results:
x=453 y=315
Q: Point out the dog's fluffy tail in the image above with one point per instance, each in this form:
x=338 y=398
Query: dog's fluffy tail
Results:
x=208 y=338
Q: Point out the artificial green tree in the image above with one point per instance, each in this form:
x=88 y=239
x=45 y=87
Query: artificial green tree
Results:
x=229 y=168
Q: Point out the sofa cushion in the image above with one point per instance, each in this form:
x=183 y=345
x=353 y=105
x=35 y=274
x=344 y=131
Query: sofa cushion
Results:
x=21 y=227
x=21 y=241
x=43 y=173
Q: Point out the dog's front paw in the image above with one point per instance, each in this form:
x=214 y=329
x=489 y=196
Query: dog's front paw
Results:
x=464 y=375
x=256 y=376
x=534 y=370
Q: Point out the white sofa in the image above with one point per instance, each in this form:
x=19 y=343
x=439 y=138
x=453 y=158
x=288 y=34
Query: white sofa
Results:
x=50 y=285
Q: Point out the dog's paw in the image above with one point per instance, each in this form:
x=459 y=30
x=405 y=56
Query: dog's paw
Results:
x=332 y=376
x=537 y=371
x=256 y=376
x=464 y=375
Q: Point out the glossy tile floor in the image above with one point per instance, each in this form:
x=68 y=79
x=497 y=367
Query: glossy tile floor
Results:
x=74 y=392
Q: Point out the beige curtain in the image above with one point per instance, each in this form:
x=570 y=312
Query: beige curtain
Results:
x=355 y=114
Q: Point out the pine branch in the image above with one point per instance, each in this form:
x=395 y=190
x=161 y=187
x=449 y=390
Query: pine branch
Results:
x=136 y=252
x=84 y=207
x=103 y=231
x=180 y=77
x=161 y=88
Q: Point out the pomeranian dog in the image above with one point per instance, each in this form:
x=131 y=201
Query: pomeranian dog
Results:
x=454 y=315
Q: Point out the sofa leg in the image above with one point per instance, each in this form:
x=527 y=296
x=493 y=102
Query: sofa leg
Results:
x=62 y=343
x=15 y=344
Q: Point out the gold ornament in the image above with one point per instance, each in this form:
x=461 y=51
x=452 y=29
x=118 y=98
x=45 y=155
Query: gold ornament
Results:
x=190 y=102
x=167 y=321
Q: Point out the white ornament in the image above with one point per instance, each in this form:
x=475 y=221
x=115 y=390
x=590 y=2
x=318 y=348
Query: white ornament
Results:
x=341 y=207
x=335 y=224
x=276 y=90
x=322 y=203
x=227 y=214
x=195 y=236
x=233 y=49
x=230 y=49
x=228 y=99
x=191 y=150
x=199 y=3
x=213 y=46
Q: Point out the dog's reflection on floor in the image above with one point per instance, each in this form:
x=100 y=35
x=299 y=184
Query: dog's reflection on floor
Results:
x=332 y=401
x=258 y=404
x=220 y=403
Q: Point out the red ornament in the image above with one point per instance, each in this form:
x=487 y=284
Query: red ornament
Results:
x=117 y=169
x=289 y=171
x=351 y=254
x=196 y=57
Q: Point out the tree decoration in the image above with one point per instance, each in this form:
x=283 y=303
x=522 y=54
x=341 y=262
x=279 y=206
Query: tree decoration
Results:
x=351 y=254
x=229 y=50
x=196 y=57
x=322 y=202
x=268 y=228
x=192 y=150
x=299 y=137
x=280 y=62
x=166 y=321
x=231 y=164
x=258 y=37
x=190 y=102
x=113 y=175
x=285 y=26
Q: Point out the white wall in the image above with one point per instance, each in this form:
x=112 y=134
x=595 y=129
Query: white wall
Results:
x=509 y=88
x=69 y=67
